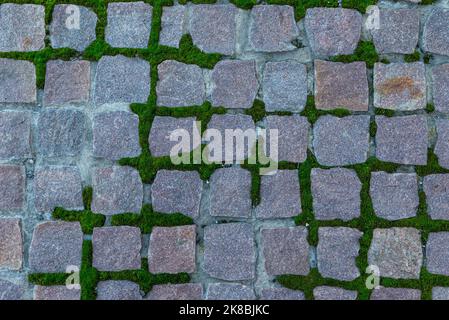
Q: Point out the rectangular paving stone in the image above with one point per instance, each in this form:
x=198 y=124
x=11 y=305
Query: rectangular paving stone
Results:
x=11 y=245
x=12 y=187
x=15 y=134
x=184 y=291
x=440 y=77
x=229 y=291
x=437 y=253
x=440 y=293
x=442 y=144
x=435 y=36
x=56 y=293
x=333 y=293
x=17 y=81
x=436 y=188
x=10 y=291
x=281 y=294
x=118 y=290
x=172 y=25
x=395 y=294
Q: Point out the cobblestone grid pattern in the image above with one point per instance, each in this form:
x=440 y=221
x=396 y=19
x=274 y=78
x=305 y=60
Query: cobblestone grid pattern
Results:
x=88 y=191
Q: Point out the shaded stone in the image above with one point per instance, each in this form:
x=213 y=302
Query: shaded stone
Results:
x=15 y=134
x=118 y=290
x=12 y=187
x=229 y=251
x=229 y=291
x=440 y=293
x=436 y=188
x=185 y=291
x=435 y=35
x=440 y=75
x=341 y=85
x=395 y=294
x=10 y=291
x=56 y=246
x=333 y=293
x=437 y=253
x=56 y=293
x=11 y=247
x=172 y=25
x=442 y=144
x=397 y=252
x=17 y=81
x=281 y=294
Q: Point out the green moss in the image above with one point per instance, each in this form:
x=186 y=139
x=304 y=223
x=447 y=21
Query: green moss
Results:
x=432 y=166
x=365 y=51
x=427 y=2
x=244 y=4
x=430 y=108
x=414 y=57
x=88 y=274
x=427 y=58
x=384 y=112
x=312 y=113
x=372 y=129
x=302 y=6
x=47 y=279
x=360 y=5
x=257 y=111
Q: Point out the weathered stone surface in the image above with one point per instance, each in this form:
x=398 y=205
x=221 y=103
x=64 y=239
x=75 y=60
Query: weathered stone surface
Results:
x=10 y=291
x=284 y=86
x=17 y=81
x=400 y=86
x=436 y=188
x=440 y=293
x=177 y=192
x=341 y=141
x=435 y=35
x=55 y=246
x=333 y=31
x=122 y=79
x=437 y=253
x=116 y=248
x=12 y=187
x=116 y=135
x=172 y=25
x=341 y=85
x=442 y=144
x=118 y=290
x=397 y=252
x=234 y=84
x=281 y=294
x=286 y=251
x=395 y=195
x=272 y=28
x=395 y=294
x=180 y=84
x=230 y=193
x=58 y=187
x=229 y=251
x=402 y=139
x=129 y=24
x=65 y=33
x=440 y=75
x=213 y=28
x=15 y=134
x=11 y=248
x=280 y=195
x=185 y=291
x=17 y=35
x=56 y=293
x=172 y=250
x=67 y=82
x=333 y=293
x=337 y=251
x=229 y=291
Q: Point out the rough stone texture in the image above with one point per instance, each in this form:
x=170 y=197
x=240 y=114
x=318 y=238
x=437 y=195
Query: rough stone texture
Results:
x=341 y=85
x=395 y=294
x=129 y=24
x=56 y=293
x=398 y=31
x=400 y=86
x=440 y=75
x=17 y=35
x=177 y=192
x=272 y=28
x=229 y=251
x=180 y=84
x=435 y=35
x=67 y=82
x=333 y=31
x=333 y=293
x=15 y=134
x=185 y=291
x=437 y=253
x=17 y=81
x=395 y=195
x=234 y=84
x=336 y=194
x=281 y=294
x=12 y=187
x=442 y=144
x=64 y=33
x=116 y=135
x=436 y=188
x=121 y=79
x=440 y=293
x=11 y=247
x=397 y=252
x=284 y=86
x=118 y=290
x=337 y=251
x=341 y=141
x=230 y=193
x=172 y=26
x=55 y=246
x=213 y=28
x=116 y=190
x=10 y=291
x=229 y=291
x=286 y=251
x=116 y=248
x=402 y=139
x=280 y=195
x=58 y=187
x=172 y=250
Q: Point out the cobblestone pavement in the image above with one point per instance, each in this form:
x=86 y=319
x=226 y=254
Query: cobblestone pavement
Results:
x=90 y=197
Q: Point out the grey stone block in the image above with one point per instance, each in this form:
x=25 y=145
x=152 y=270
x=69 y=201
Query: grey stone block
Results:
x=10 y=291
x=56 y=293
x=442 y=145
x=184 y=291
x=435 y=36
x=437 y=253
x=17 y=81
x=12 y=187
x=396 y=294
x=229 y=291
x=440 y=293
x=436 y=188
x=333 y=293
x=281 y=294
x=440 y=77
x=15 y=134
x=172 y=25
x=118 y=290
x=11 y=246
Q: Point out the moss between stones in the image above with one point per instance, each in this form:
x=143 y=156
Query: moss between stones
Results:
x=414 y=57
x=365 y=51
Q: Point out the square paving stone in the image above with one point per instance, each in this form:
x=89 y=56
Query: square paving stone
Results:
x=11 y=247
x=67 y=82
x=17 y=81
x=286 y=251
x=122 y=80
x=16 y=34
x=180 y=84
x=442 y=143
x=402 y=139
x=118 y=290
x=436 y=188
x=56 y=246
x=230 y=193
x=116 y=248
x=116 y=135
x=117 y=190
x=66 y=33
x=234 y=84
x=12 y=187
x=341 y=85
x=435 y=35
x=61 y=132
x=272 y=28
x=56 y=293
x=400 y=86
x=437 y=253
x=172 y=25
x=172 y=250
x=129 y=24
x=398 y=31
x=213 y=28
x=230 y=251
x=280 y=195
x=333 y=293
x=15 y=134
x=281 y=294
x=440 y=75
x=10 y=291
x=397 y=252
x=440 y=293
x=333 y=31
x=395 y=294
x=229 y=291
x=394 y=195
x=337 y=251
x=184 y=291
x=284 y=86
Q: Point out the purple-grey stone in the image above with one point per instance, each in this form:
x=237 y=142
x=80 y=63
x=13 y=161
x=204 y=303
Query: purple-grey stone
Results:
x=11 y=247
x=15 y=134
x=435 y=36
x=172 y=26
x=17 y=81
x=436 y=188
x=440 y=75
x=12 y=187
x=56 y=293
x=440 y=293
x=437 y=253
x=10 y=291
x=333 y=293
x=442 y=144
x=229 y=291
x=281 y=294
x=183 y=291
x=395 y=294
x=118 y=290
